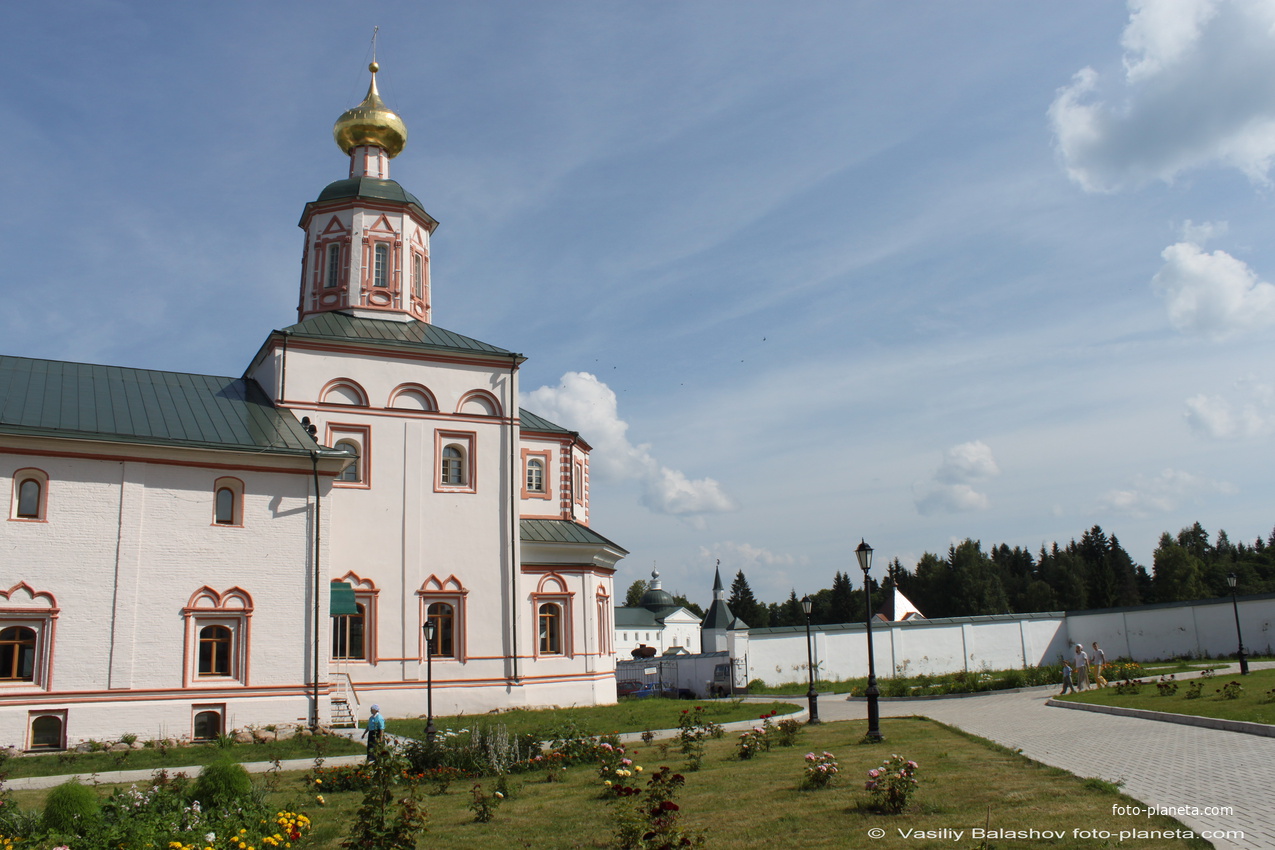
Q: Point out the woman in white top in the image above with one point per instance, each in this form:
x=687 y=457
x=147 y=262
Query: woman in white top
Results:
x=1082 y=669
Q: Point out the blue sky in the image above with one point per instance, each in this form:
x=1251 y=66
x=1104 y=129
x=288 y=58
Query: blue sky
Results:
x=803 y=273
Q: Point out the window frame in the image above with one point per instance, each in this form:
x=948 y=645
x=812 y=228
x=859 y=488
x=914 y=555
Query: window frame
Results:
x=12 y=644
x=332 y=266
x=442 y=635
x=464 y=441
x=24 y=607
x=232 y=609
x=447 y=591
x=418 y=276
x=367 y=596
x=341 y=627
x=198 y=709
x=553 y=590
x=22 y=477
x=60 y=714
x=544 y=457
x=361 y=437
x=381 y=266
x=235 y=487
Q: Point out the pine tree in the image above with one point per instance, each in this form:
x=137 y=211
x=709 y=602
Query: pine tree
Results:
x=744 y=605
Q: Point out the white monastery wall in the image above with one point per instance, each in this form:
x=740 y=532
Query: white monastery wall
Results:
x=1207 y=628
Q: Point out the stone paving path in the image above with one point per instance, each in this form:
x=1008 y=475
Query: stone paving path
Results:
x=1160 y=764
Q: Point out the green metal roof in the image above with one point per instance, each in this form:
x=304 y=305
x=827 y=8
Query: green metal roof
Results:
x=374 y=188
x=52 y=398
x=531 y=422
x=393 y=334
x=562 y=531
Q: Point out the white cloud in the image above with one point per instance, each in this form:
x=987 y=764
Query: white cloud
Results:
x=1161 y=494
x=951 y=489
x=746 y=554
x=1212 y=294
x=585 y=404
x=1198 y=90
x=1250 y=415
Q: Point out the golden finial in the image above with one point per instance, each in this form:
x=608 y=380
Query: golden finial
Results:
x=371 y=123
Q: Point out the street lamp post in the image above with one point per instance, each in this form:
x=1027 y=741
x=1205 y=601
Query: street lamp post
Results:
x=429 y=628
x=864 y=554
x=1232 y=580
x=811 y=696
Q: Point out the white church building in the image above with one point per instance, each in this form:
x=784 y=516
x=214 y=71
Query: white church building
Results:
x=186 y=554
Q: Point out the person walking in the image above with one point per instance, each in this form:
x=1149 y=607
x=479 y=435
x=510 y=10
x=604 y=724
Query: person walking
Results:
x=1082 y=669
x=1067 y=686
x=1099 y=661
x=373 y=732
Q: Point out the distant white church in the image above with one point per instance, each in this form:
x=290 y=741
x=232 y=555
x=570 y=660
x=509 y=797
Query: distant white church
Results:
x=186 y=554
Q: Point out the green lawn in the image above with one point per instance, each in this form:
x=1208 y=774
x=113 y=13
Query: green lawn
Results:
x=965 y=783
x=629 y=715
x=1255 y=703
x=150 y=758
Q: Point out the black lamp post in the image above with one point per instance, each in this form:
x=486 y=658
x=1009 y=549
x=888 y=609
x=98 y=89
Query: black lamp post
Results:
x=428 y=628
x=811 y=696
x=864 y=553
x=1232 y=580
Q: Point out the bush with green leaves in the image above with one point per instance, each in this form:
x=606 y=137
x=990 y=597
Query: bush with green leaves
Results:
x=71 y=808
x=391 y=816
x=223 y=783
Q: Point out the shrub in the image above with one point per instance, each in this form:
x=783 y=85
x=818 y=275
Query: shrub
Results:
x=388 y=819
x=821 y=770
x=70 y=808
x=222 y=783
x=1194 y=689
x=1231 y=690
x=892 y=783
x=786 y=732
x=1166 y=686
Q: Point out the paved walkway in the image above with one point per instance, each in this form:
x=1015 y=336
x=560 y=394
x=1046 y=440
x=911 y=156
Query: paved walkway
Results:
x=1160 y=764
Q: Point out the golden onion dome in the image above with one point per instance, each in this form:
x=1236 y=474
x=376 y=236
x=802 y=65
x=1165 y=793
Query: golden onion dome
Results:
x=371 y=123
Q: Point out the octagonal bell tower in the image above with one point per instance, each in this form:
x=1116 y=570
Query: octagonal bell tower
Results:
x=367 y=238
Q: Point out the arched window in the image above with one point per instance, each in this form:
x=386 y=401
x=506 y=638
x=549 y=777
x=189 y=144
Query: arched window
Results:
x=418 y=279
x=215 y=644
x=29 y=499
x=225 y=506
x=207 y=725
x=443 y=616
x=550 y=629
x=453 y=471
x=354 y=472
x=535 y=476
x=333 y=277
x=381 y=267
x=17 y=654
x=348 y=632
x=46 y=732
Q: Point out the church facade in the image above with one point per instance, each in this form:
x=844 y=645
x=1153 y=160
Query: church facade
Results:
x=186 y=554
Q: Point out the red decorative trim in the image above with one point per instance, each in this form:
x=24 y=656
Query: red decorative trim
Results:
x=419 y=389
x=482 y=397
x=452 y=592
x=343 y=383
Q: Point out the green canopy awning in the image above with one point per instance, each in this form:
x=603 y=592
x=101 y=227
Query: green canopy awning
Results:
x=343 y=601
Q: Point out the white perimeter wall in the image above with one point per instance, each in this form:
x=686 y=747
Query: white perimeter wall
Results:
x=1001 y=642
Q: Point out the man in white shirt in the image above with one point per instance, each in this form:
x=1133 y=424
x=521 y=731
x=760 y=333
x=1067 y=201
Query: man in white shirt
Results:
x=1099 y=661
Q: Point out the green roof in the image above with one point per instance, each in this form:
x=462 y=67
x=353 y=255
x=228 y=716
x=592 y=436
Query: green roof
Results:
x=52 y=398
x=392 y=334
x=562 y=531
x=531 y=422
x=374 y=188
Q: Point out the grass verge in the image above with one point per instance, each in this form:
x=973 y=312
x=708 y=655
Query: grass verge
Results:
x=150 y=758
x=1255 y=702
x=965 y=783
